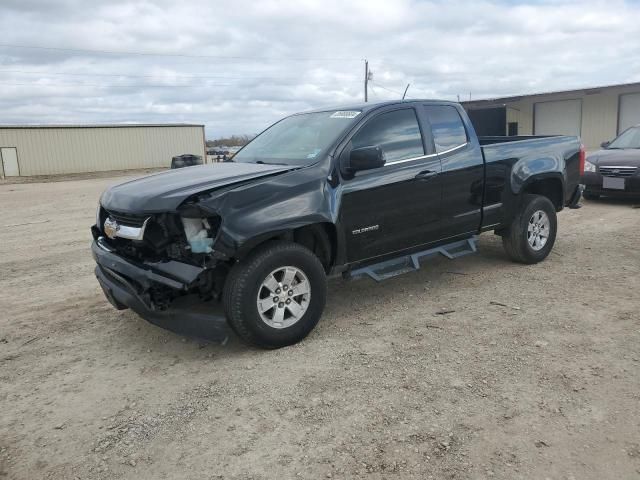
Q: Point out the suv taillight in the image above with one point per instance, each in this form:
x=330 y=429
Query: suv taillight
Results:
x=583 y=157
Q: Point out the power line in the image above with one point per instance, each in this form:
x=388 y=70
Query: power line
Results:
x=202 y=85
x=373 y=92
x=168 y=75
x=177 y=55
x=385 y=88
x=117 y=86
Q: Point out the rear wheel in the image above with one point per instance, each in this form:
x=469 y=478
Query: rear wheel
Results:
x=275 y=296
x=532 y=232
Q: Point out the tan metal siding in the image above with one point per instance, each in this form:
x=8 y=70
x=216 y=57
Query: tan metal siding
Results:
x=599 y=118
x=51 y=151
x=599 y=114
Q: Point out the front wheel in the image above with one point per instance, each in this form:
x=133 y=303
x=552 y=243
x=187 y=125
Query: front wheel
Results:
x=275 y=296
x=532 y=232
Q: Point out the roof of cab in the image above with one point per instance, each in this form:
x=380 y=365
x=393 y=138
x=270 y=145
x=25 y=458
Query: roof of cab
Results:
x=366 y=107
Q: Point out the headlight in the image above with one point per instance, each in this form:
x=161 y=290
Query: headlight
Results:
x=589 y=167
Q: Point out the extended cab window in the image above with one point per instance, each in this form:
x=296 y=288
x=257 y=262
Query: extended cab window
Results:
x=397 y=133
x=446 y=126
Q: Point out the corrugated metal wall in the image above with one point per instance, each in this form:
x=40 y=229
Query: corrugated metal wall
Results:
x=59 y=150
x=599 y=115
x=599 y=112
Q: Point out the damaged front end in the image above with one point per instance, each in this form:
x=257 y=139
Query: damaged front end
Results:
x=164 y=267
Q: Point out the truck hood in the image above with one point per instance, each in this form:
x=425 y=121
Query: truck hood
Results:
x=165 y=191
x=616 y=158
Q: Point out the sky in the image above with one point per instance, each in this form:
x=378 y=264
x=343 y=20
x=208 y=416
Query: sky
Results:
x=239 y=66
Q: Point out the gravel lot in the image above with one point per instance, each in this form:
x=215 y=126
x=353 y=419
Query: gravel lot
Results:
x=543 y=383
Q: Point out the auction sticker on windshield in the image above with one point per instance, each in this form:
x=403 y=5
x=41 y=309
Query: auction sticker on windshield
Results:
x=345 y=114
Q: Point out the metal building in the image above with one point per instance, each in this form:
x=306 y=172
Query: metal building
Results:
x=595 y=114
x=27 y=150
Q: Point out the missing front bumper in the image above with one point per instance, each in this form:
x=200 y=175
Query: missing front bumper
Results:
x=126 y=286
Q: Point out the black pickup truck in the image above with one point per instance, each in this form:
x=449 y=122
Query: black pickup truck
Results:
x=332 y=191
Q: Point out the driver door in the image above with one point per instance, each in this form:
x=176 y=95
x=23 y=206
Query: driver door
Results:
x=397 y=206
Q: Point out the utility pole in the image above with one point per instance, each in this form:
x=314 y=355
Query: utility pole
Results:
x=366 y=80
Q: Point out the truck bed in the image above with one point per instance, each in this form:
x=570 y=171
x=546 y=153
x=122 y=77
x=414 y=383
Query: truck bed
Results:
x=554 y=151
x=491 y=140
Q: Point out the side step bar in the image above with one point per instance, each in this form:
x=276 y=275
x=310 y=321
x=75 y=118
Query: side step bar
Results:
x=410 y=263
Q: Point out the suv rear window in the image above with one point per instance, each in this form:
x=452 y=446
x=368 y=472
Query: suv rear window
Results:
x=446 y=126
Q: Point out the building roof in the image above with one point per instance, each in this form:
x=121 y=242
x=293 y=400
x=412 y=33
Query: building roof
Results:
x=586 y=91
x=97 y=125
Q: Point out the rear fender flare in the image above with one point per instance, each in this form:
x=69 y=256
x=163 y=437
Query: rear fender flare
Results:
x=527 y=171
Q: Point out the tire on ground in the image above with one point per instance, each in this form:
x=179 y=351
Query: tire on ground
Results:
x=244 y=283
x=516 y=242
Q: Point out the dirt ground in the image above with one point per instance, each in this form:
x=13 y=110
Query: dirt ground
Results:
x=544 y=383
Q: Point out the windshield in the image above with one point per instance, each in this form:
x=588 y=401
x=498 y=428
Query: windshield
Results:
x=297 y=140
x=630 y=138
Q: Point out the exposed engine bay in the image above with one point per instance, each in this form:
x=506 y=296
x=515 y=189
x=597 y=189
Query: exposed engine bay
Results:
x=166 y=237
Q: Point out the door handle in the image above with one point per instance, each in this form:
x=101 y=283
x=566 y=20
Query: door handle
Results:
x=426 y=175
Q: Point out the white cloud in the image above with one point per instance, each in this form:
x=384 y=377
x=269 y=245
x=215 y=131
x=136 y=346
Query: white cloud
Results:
x=291 y=56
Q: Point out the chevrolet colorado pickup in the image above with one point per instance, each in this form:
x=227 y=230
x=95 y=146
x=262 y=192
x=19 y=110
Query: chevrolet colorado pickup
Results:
x=322 y=193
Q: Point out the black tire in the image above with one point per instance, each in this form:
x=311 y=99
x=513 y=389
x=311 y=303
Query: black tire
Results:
x=245 y=280
x=590 y=196
x=516 y=239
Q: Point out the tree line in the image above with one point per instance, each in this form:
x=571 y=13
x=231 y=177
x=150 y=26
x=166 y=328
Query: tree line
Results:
x=232 y=141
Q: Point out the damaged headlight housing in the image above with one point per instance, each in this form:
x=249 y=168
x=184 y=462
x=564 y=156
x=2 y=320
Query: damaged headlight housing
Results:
x=200 y=226
x=99 y=217
x=197 y=232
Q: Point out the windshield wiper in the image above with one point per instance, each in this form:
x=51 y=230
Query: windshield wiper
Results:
x=269 y=163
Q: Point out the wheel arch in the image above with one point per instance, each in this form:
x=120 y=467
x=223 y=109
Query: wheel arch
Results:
x=549 y=185
x=319 y=237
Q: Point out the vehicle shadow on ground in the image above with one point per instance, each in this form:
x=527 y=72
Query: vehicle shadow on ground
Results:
x=344 y=297
x=633 y=202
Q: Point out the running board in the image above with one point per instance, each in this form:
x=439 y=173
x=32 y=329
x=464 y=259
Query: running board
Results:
x=410 y=263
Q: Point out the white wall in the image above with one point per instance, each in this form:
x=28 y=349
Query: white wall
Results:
x=629 y=111
x=60 y=150
x=558 y=117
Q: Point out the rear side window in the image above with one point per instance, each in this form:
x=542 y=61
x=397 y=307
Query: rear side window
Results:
x=397 y=133
x=446 y=126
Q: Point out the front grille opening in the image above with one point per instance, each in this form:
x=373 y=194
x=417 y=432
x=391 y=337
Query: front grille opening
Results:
x=618 y=171
x=127 y=219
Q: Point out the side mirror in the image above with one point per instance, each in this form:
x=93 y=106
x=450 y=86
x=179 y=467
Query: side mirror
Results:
x=365 y=158
x=605 y=144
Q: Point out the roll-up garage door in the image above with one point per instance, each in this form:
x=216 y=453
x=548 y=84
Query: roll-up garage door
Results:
x=629 y=111
x=558 y=118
